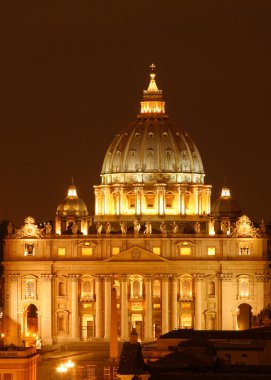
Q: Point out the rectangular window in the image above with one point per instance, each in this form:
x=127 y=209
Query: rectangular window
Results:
x=115 y=250
x=186 y=305
x=8 y=376
x=156 y=250
x=61 y=251
x=211 y=251
x=186 y=320
x=185 y=251
x=244 y=249
x=29 y=250
x=150 y=200
x=156 y=305
x=87 y=251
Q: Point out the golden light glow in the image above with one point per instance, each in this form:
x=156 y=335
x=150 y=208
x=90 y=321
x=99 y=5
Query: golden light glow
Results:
x=225 y=192
x=156 y=250
x=61 y=251
x=115 y=250
x=185 y=251
x=72 y=191
x=87 y=251
x=211 y=251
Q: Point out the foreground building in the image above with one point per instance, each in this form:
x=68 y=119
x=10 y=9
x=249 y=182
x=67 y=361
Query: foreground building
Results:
x=174 y=262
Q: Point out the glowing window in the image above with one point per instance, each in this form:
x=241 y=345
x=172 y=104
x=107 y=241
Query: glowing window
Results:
x=156 y=305
x=29 y=289
x=61 y=251
x=131 y=200
x=186 y=320
x=115 y=250
x=156 y=250
x=169 y=200
x=186 y=305
x=150 y=200
x=156 y=289
x=185 y=251
x=29 y=250
x=87 y=251
x=211 y=251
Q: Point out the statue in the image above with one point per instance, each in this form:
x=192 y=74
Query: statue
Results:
x=211 y=227
x=74 y=228
x=163 y=228
x=107 y=228
x=175 y=227
x=10 y=229
x=137 y=227
x=262 y=228
x=148 y=228
x=48 y=228
x=99 y=228
x=123 y=228
x=225 y=227
x=197 y=227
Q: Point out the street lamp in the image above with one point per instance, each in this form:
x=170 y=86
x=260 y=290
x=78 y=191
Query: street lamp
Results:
x=66 y=367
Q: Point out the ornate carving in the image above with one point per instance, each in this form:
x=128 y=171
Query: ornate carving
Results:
x=198 y=276
x=225 y=276
x=244 y=228
x=13 y=277
x=46 y=277
x=261 y=277
x=74 y=277
x=136 y=254
x=123 y=228
x=30 y=229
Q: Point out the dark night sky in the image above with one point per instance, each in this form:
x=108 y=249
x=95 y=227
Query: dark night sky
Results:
x=72 y=75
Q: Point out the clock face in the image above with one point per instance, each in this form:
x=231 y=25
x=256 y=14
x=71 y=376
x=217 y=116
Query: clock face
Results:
x=29 y=230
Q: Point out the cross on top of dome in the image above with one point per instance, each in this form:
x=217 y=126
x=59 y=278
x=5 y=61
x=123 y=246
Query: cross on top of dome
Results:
x=152 y=97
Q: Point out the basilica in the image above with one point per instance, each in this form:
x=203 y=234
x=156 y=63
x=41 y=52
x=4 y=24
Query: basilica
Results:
x=176 y=259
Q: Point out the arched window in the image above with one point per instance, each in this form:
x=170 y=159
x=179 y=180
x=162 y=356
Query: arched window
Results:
x=211 y=288
x=29 y=289
x=156 y=289
x=61 y=289
x=186 y=288
x=136 y=289
x=86 y=288
x=117 y=287
x=244 y=288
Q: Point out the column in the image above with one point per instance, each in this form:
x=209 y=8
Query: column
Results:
x=138 y=199
x=199 y=317
x=165 y=307
x=116 y=195
x=259 y=291
x=179 y=200
x=74 y=306
x=107 y=306
x=161 y=189
x=174 y=303
x=196 y=198
x=226 y=309
x=148 y=334
x=124 y=308
x=199 y=196
x=183 y=191
x=208 y=200
x=105 y=202
x=97 y=193
x=46 y=308
x=14 y=325
x=99 y=303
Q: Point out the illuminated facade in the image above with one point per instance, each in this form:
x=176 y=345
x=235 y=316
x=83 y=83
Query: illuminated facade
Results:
x=174 y=262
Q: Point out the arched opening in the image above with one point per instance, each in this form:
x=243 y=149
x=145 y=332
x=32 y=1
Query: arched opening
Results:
x=32 y=319
x=244 y=317
x=61 y=289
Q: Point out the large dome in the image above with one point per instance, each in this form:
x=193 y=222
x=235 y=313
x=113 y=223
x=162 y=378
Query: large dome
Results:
x=152 y=148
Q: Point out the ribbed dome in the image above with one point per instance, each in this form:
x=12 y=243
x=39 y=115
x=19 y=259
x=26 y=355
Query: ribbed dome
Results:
x=72 y=205
x=225 y=205
x=152 y=148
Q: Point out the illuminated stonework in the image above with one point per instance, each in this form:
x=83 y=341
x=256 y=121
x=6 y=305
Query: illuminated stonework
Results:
x=173 y=261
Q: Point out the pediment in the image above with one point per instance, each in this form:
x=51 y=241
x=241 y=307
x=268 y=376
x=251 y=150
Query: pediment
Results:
x=136 y=253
